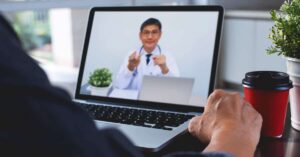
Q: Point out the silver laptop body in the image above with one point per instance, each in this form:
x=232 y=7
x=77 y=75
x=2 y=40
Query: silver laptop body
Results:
x=197 y=72
x=176 y=90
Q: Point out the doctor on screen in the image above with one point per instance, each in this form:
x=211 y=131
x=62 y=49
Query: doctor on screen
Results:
x=149 y=59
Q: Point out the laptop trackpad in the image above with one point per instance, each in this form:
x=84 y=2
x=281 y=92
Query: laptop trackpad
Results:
x=147 y=138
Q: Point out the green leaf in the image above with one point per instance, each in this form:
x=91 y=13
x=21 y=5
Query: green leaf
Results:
x=100 y=77
x=285 y=33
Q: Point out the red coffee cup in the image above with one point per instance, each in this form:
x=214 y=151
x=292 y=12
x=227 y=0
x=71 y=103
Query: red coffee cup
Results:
x=268 y=93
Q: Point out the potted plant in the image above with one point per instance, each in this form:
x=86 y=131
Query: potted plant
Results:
x=285 y=36
x=100 y=81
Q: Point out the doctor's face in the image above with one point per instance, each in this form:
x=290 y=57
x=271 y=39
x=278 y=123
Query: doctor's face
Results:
x=150 y=36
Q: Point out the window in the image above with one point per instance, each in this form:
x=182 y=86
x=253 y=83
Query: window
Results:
x=33 y=29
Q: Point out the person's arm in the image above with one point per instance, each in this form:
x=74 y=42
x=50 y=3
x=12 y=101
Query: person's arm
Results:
x=167 y=64
x=199 y=154
x=133 y=61
x=228 y=124
x=38 y=119
x=126 y=72
x=161 y=61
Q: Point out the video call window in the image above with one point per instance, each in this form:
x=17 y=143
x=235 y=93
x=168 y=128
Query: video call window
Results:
x=150 y=56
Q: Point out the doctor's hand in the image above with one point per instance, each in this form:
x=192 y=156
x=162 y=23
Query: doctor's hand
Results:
x=160 y=60
x=133 y=61
x=228 y=124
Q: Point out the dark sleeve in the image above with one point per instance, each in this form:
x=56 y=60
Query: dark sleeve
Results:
x=37 y=119
x=199 y=154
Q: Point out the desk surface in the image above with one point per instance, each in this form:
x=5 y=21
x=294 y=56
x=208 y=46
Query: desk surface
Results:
x=286 y=146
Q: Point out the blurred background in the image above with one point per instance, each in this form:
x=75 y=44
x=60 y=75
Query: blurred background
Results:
x=52 y=32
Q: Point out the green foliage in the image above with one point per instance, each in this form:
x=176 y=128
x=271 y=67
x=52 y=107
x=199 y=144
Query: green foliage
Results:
x=285 y=33
x=100 y=78
x=33 y=30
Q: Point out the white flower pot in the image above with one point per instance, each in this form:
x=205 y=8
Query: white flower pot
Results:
x=293 y=69
x=99 y=91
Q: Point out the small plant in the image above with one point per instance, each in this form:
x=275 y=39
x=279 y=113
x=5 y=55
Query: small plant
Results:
x=100 y=78
x=285 y=33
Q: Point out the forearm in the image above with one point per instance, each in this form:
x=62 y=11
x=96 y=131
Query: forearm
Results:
x=236 y=144
x=164 y=69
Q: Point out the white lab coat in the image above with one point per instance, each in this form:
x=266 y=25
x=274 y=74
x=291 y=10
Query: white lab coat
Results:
x=127 y=79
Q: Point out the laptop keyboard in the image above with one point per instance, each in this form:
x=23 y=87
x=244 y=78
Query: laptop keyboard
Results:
x=138 y=117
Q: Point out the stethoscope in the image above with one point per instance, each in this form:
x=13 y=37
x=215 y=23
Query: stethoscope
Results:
x=140 y=51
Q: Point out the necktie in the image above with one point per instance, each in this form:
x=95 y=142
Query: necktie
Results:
x=148 y=58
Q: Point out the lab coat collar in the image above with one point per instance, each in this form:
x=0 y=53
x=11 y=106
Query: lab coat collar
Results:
x=154 y=52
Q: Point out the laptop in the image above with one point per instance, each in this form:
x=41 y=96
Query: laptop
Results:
x=175 y=90
x=185 y=47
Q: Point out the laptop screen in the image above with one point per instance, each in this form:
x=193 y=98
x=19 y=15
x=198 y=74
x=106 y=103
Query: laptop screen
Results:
x=123 y=45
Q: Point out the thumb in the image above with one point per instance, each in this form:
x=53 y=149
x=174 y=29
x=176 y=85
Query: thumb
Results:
x=132 y=55
x=136 y=55
x=198 y=129
x=194 y=125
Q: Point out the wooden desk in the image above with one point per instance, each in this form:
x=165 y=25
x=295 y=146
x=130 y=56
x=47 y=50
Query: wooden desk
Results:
x=286 y=146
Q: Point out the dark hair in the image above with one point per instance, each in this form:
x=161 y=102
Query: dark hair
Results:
x=151 y=21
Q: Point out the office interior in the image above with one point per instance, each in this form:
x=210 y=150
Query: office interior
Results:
x=53 y=33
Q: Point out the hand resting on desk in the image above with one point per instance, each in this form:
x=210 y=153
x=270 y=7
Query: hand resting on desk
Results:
x=228 y=124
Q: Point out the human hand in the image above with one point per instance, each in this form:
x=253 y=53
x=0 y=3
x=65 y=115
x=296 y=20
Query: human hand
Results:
x=133 y=61
x=229 y=124
x=160 y=60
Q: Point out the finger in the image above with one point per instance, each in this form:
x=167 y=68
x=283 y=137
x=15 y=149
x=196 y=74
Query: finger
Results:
x=236 y=101
x=193 y=125
x=132 y=56
x=133 y=53
x=138 y=60
x=216 y=95
x=251 y=117
x=214 y=98
x=199 y=128
x=137 y=56
x=155 y=59
x=247 y=107
x=249 y=111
